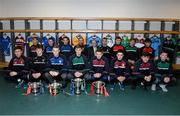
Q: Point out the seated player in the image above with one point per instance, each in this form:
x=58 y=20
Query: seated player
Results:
x=143 y=72
x=56 y=66
x=116 y=47
x=99 y=67
x=18 y=66
x=120 y=69
x=147 y=48
x=105 y=48
x=65 y=48
x=92 y=50
x=49 y=48
x=131 y=53
x=163 y=72
x=38 y=65
x=78 y=64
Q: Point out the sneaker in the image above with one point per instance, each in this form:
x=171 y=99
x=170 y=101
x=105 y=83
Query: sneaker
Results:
x=121 y=86
x=153 y=87
x=163 y=87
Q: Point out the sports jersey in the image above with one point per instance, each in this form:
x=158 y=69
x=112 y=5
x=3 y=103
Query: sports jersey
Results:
x=125 y=41
x=38 y=64
x=45 y=40
x=131 y=53
x=99 y=65
x=75 y=40
x=163 y=67
x=115 y=49
x=57 y=63
x=156 y=42
x=66 y=50
x=106 y=51
x=169 y=43
x=78 y=62
x=30 y=39
x=94 y=37
x=19 y=41
x=120 y=67
x=110 y=40
x=5 y=42
x=144 y=69
x=18 y=64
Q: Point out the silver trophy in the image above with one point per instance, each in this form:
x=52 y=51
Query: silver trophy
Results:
x=35 y=86
x=55 y=88
x=98 y=85
x=77 y=84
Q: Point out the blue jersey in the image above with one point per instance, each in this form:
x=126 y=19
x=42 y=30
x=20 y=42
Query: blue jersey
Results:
x=94 y=37
x=156 y=42
x=45 y=40
x=57 y=63
x=5 y=42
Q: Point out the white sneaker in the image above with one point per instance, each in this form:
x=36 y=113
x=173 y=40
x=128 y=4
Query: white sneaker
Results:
x=153 y=87
x=163 y=87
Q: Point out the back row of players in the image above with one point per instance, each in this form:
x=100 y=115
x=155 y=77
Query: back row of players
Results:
x=113 y=64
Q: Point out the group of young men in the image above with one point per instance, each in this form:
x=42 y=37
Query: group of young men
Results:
x=113 y=65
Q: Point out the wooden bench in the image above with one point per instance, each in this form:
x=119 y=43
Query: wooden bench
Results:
x=3 y=64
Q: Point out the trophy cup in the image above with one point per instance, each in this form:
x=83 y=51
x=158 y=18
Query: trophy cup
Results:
x=77 y=84
x=54 y=88
x=98 y=85
x=35 y=86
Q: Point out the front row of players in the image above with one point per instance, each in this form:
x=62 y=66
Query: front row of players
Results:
x=56 y=68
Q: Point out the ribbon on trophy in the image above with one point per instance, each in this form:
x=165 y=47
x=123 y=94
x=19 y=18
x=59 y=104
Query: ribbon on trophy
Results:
x=73 y=87
x=101 y=89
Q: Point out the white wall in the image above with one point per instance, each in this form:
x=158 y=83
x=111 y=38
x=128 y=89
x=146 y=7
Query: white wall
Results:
x=91 y=8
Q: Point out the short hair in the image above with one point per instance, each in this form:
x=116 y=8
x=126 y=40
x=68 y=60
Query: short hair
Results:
x=132 y=39
x=56 y=46
x=66 y=38
x=145 y=54
x=99 y=50
x=104 y=38
x=147 y=40
x=39 y=46
x=18 y=48
x=78 y=46
x=118 y=37
x=51 y=38
x=120 y=51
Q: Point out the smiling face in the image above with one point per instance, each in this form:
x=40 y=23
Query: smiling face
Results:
x=164 y=56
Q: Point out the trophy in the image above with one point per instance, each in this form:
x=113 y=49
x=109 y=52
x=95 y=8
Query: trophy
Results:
x=54 y=88
x=99 y=85
x=77 y=82
x=35 y=87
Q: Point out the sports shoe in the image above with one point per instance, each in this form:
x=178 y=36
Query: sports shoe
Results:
x=163 y=87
